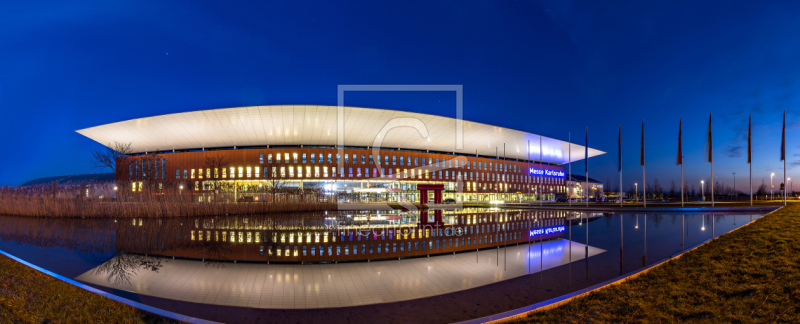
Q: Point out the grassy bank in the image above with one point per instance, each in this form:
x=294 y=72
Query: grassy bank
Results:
x=749 y=275
x=29 y=296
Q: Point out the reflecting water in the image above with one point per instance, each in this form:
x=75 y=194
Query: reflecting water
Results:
x=551 y=247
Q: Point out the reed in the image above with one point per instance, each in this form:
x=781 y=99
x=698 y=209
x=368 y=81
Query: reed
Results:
x=70 y=200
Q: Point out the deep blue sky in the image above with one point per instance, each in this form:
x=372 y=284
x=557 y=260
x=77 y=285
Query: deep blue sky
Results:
x=548 y=67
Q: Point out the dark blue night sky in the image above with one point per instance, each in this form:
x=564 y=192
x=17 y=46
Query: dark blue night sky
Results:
x=547 y=67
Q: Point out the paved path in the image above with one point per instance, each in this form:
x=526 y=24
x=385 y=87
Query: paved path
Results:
x=297 y=286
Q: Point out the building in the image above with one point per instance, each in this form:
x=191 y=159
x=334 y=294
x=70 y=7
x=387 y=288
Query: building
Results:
x=577 y=187
x=361 y=154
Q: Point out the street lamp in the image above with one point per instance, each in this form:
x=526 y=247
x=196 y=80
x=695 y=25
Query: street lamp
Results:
x=771 y=187
x=637 y=191
x=702 y=190
x=789 y=182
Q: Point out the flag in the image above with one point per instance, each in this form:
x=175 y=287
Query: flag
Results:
x=783 y=138
x=619 y=143
x=641 y=152
x=586 y=151
x=710 y=152
x=749 y=147
x=680 y=147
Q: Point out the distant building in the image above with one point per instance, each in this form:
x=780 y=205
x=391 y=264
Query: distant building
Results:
x=577 y=187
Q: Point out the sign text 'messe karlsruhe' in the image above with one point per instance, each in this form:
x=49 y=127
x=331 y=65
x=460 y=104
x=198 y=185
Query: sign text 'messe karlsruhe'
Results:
x=546 y=172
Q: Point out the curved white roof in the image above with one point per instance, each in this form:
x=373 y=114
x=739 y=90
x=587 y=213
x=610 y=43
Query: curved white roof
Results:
x=317 y=125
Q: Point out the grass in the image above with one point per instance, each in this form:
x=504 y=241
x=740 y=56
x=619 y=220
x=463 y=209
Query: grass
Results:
x=749 y=275
x=29 y=296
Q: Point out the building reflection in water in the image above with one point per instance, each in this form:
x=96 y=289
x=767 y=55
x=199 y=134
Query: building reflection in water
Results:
x=126 y=246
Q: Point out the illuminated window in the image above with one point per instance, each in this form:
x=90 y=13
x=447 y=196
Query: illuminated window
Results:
x=299 y=172
x=316 y=237
x=316 y=172
x=294 y=156
x=216 y=173
x=192 y=231
x=313 y=157
x=269 y=158
x=283 y=172
x=224 y=236
x=224 y=173
x=241 y=237
x=278 y=158
x=249 y=172
x=241 y=172
x=233 y=172
x=249 y=237
x=325 y=172
x=192 y=174
x=308 y=172
x=286 y=157
x=304 y=158
x=261 y=158
x=325 y=238
x=346 y=158
x=208 y=173
x=320 y=158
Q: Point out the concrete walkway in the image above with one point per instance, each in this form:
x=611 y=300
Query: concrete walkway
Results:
x=297 y=286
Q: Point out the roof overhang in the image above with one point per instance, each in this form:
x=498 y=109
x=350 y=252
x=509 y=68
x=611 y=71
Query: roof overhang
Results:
x=320 y=125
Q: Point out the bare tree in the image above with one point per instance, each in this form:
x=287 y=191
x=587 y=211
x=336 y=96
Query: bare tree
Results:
x=121 y=266
x=215 y=165
x=657 y=189
x=275 y=181
x=762 y=189
x=672 y=189
x=108 y=156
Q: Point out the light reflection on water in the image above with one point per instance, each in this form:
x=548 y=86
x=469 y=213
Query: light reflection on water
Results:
x=630 y=241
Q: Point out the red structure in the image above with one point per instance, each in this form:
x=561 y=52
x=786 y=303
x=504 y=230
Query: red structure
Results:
x=423 y=193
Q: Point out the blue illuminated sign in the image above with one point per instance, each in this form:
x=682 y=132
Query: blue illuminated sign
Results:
x=547 y=230
x=546 y=172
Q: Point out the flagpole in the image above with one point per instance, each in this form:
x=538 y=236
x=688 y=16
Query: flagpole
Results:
x=711 y=159
x=783 y=157
x=587 y=178
x=680 y=155
x=644 y=174
x=569 y=163
x=620 y=166
x=541 y=190
x=750 y=156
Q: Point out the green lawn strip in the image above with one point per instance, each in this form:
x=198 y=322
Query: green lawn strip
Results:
x=29 y=296
x=749 y=275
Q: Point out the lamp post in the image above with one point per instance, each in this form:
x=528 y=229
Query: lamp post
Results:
x=637 y=191
x=789 y=180
x=734 y=185
x=771 y=187
x=702 y=189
